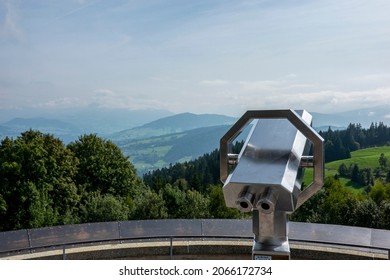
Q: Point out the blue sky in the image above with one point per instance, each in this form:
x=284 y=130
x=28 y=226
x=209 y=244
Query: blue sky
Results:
x=200 y=56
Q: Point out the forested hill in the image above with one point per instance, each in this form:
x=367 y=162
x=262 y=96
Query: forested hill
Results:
x=338 y=145
x=159 y=151
x=177 y=138
x=197 y=174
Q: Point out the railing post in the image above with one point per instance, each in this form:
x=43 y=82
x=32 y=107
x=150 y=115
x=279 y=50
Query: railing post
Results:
x=63 y=253
x=29 y=240
x=119 y=233
x=171 y=247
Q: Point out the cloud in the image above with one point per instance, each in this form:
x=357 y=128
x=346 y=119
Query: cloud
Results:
x=103 y=92
x=215 y=82
x=208 y=56
x=284 y=93
x=372 y=80
x=256 y=86
x=83 y=4
x=260 y=85
x=64 y=102
x=10 y=28
x=336 y=100
x=107 y=98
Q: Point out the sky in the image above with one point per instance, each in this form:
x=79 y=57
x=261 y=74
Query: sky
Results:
x=204 y=56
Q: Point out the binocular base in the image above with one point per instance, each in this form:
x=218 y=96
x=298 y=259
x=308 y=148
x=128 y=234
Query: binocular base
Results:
x=262 y=251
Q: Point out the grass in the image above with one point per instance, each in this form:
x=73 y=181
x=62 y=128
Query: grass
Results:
x=159 y=151
x=364 y=158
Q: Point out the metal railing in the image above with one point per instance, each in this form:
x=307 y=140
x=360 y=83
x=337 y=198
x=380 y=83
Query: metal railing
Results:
x=30 y=240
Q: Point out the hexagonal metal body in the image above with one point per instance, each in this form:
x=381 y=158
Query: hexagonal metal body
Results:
x=270 y=158
x=268 y=171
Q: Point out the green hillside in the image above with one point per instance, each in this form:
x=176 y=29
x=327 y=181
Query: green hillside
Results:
x=364 y=158
x=178 y=138
x=159 y=151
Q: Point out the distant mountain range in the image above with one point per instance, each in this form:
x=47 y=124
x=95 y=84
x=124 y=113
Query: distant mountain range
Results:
x=66 y=131
x=172 y=124
x=172 y=139
x=364 y=116
x=187 y=136
x=159 y=151
x=155 y=138
x=69 y=124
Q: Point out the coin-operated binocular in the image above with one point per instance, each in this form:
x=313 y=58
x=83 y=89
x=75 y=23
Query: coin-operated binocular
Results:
x=265 y=178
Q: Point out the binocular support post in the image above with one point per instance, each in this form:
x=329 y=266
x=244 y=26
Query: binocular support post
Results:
x=270 y=235
x=267 y=174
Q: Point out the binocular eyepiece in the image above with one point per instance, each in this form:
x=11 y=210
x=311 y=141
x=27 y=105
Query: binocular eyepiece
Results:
x=264 y=202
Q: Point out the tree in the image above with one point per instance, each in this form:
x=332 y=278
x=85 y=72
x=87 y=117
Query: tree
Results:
x=383 y=162
x=103 y=167
x=379 y=192
x=349 y=137
x=218 y=208
x=104 y=208
x=384 y=216
x=174 y=200
x=36 y=182
x=355 y=173
x=196 y=206
x=365 y=214
x=148 y=205
x=365 y=177
x=3 y=206
x=312 y=211
x=344 y=171
x=339 y=202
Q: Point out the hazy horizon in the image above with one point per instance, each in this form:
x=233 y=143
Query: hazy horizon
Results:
x=222 y=57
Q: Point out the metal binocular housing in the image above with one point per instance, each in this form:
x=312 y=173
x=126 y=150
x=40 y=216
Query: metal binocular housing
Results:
x=265 y=178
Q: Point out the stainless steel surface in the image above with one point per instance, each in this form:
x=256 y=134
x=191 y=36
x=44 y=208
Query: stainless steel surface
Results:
x=268 y=172
x=301 y=120
x=307 y=161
